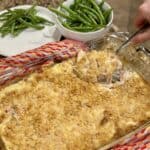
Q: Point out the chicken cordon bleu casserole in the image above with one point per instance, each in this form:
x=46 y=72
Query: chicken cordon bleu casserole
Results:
x=82 y=103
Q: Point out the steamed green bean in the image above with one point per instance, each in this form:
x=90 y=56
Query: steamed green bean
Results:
x=83 y=15
x=16 y=21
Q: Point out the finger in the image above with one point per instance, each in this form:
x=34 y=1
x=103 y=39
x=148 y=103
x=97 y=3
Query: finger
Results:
x=139 y=21
x=143 y=15
x=145 y=8
x=142 y=37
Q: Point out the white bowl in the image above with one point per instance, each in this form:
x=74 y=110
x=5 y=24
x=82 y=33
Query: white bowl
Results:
x=83 y=36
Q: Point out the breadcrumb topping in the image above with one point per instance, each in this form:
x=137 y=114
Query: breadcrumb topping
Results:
x=82 y=103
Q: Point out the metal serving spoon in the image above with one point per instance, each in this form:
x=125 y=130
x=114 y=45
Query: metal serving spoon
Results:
x=139 y=60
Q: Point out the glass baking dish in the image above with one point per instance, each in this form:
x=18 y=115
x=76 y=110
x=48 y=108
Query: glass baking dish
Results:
x=32 y=64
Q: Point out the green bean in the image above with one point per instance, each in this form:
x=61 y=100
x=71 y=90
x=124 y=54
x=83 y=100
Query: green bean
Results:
x=3 y=19
x=77 y=2
x=59 y=13
x=92 y=12
x=84 y=21
x=87 y=12
x=83 y=29
x=93 y=21
x=8 y=22
x=72 y=7
x=80 y=28
x=107 y=14
x=13 y=28
x=84 y=16
x=99 y=27
x=18 y=31
x=4 y=14
x=31 y=10
x=88 y=4
x=15 y=21
x=4 y=29
x=18 y=12
x=75 y=24
x=75 y=15
x=66 y=25
x=81 y=25
x=30 y=25
x=22 y=26
x=95 y=5
x=71 y=12
x=41 y=19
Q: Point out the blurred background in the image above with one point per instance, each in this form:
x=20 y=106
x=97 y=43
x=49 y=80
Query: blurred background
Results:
x=125 y=14
x=125 y=10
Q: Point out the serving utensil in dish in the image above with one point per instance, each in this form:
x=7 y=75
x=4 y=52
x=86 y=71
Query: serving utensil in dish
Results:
x=125 y=44
x=139 y=58
x=139 y=61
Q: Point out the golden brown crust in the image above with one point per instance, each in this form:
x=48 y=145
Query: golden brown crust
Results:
x=67 y=106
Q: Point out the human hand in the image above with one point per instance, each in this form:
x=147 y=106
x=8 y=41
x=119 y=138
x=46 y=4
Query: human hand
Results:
x=142 y=18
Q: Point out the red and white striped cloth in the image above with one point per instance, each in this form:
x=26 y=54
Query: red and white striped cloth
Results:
x=139 y=141
x=19 y=65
